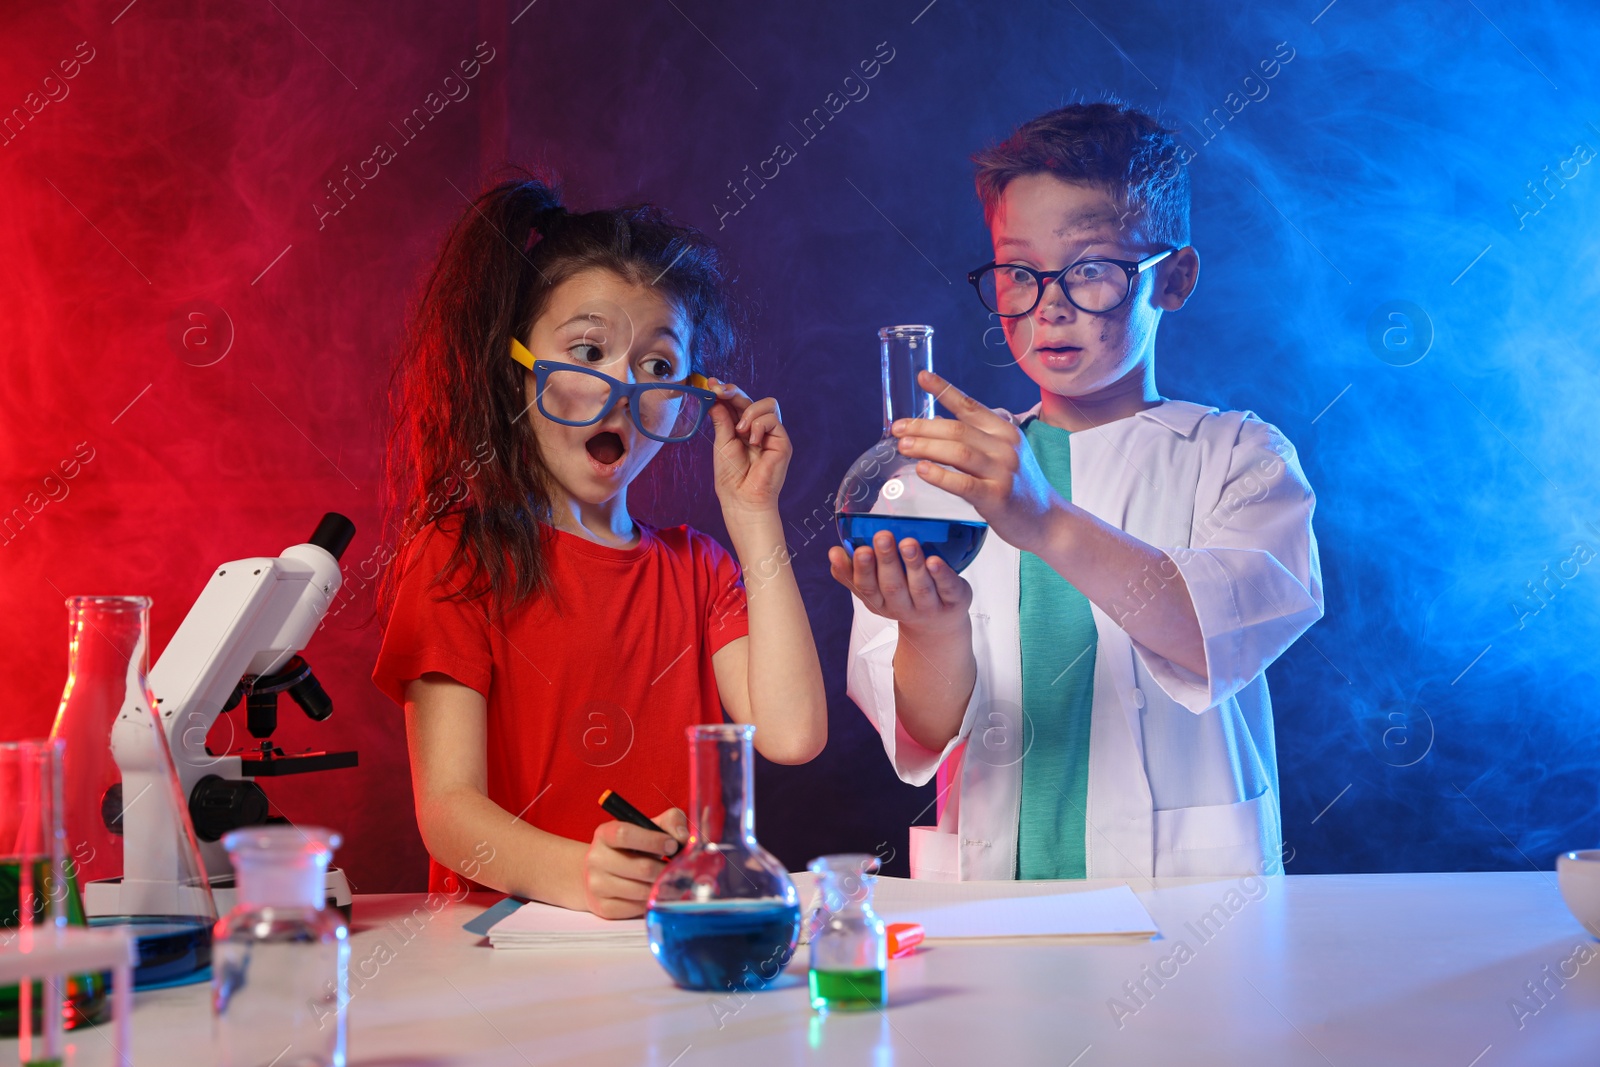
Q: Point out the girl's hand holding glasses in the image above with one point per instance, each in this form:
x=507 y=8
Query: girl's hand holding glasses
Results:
x=752 y=450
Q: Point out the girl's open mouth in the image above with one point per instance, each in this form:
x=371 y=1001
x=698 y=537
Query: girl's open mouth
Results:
x=606 y=450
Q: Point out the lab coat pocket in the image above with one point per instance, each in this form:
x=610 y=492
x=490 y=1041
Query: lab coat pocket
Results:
x=935 y=856
x=1218 y=839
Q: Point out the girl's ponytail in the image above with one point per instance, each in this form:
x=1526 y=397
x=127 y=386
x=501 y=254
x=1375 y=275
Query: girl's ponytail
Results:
x=458 y=454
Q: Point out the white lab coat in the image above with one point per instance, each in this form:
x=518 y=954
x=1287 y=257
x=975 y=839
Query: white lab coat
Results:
x=1183 y=773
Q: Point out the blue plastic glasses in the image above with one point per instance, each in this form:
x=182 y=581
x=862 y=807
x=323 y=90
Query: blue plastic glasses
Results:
x=578 y=396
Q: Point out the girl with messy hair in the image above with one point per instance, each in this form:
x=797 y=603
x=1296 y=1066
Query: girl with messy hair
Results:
x=544 y=643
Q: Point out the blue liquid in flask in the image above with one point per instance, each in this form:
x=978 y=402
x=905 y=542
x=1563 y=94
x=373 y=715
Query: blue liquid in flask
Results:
x=724 y=944
x=955 y=541
x=173 y=949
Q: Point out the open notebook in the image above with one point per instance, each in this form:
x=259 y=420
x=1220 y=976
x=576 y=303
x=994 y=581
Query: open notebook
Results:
x=969 y=912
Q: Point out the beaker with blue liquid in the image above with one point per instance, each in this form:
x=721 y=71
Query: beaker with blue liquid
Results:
x=724 y=915
x=882 y=490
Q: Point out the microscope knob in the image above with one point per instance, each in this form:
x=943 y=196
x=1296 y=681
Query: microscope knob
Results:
x=111 y=809
x=218 y=805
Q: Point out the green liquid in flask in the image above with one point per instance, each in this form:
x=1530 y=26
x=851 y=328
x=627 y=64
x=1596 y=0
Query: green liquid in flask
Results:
x=85 y=997
x=848 y=990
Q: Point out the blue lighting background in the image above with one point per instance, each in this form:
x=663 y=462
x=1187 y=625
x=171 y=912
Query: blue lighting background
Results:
x=1399 y=270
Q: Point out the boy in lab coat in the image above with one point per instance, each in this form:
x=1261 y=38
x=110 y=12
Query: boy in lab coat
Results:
x=1090 y=692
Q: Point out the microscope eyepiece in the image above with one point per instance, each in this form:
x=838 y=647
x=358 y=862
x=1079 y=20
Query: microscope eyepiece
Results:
x=333 y=534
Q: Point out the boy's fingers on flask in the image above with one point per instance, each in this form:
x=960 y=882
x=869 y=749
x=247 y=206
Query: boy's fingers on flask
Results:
x=839 y=565
x=847 y=569
x=954 y=590
x=995 y=443
x=891 y=575
x=958 y=483
x=863 y=576
x=960 y=454
x=919 y=583
x=960 y=404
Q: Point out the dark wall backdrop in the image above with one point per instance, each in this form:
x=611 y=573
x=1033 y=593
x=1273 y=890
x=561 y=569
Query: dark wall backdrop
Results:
x=1399 y=270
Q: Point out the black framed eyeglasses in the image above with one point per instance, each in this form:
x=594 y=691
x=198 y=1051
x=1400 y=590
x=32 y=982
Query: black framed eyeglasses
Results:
x=580 y=396
x=1096 y=285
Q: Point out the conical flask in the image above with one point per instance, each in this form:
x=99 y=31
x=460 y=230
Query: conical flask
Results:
x=122 y=797
x=724 y=915
x=882 y=490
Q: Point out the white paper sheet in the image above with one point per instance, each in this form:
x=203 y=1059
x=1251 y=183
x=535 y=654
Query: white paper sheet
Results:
x=1114 y=912
x=971 y=912
x=1102 y=910
x=536 y=925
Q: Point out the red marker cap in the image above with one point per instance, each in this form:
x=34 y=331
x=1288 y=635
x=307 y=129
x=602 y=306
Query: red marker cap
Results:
x=903 y=938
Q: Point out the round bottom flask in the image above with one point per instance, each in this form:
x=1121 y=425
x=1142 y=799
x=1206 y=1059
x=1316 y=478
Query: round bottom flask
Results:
x=724 y=915
x=882 y=490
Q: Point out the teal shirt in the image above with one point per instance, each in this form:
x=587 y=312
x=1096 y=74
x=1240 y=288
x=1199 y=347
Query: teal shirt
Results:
x=1058 y=650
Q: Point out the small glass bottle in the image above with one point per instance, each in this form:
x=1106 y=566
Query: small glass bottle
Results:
x=280 y=957
x=724 y=915
x=882 y=490
x=849 y=949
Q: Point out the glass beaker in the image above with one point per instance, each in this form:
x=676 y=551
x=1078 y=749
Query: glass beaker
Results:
x=723 y=915
x=38 y=892
x=882 y=491
x=132 y=848
x=281 y=956
x=849 y=949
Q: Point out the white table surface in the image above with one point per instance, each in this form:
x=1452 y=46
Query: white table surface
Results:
x=1413 y=969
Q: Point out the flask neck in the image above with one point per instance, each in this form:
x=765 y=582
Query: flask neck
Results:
x=845 y=882
x=273 y=885
x=721 y=785
x=107 y=644
x=904 y=351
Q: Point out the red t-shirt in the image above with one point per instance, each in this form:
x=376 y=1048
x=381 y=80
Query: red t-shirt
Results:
x=589 y=690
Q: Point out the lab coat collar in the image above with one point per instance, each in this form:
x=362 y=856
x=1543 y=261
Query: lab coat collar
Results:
x=1179 y=416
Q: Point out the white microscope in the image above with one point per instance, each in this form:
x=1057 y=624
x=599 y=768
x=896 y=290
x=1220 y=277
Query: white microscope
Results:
x=240 y=641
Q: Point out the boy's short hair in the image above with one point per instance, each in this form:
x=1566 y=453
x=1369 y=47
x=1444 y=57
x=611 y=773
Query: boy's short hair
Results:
x=1120 y=149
